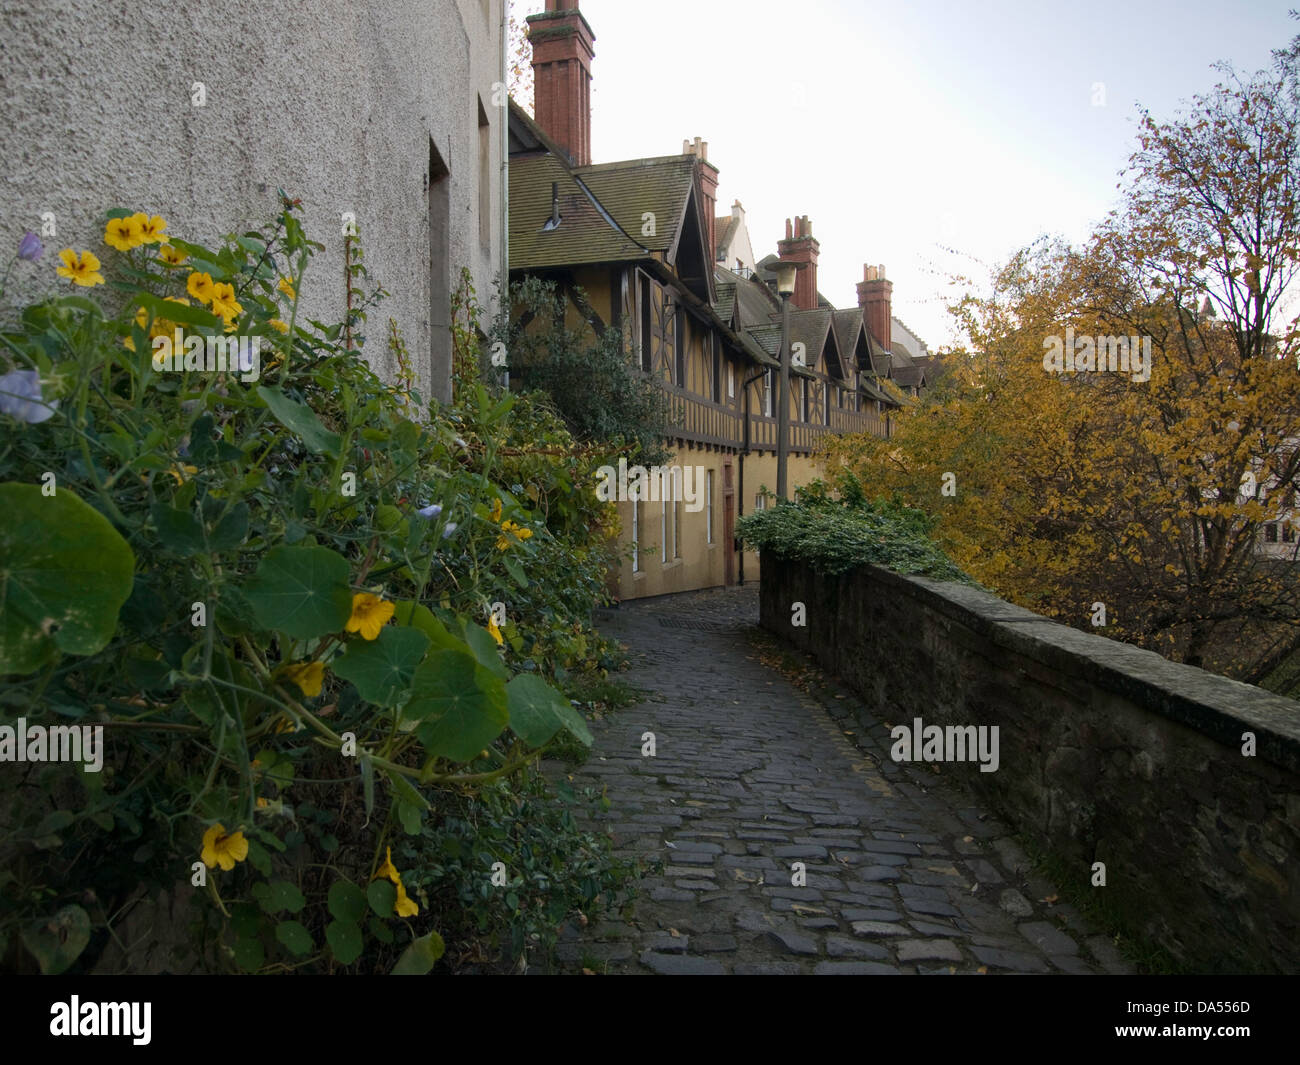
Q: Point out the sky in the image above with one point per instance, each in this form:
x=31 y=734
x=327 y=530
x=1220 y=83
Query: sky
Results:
x=908 y=127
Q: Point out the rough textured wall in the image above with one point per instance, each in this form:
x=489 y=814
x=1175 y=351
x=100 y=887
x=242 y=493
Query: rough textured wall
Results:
x=333 y=100
x=1108 y=753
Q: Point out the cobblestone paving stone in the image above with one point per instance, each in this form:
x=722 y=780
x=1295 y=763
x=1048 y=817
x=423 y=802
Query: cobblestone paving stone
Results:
x=753 y=774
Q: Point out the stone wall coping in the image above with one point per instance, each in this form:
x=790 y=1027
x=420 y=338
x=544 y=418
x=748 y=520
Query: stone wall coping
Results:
x=1216 y=706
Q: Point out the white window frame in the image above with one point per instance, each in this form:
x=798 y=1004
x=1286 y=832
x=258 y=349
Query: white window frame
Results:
x=731 y=380
x=708 y=503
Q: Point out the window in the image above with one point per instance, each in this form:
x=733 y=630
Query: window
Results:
x=731 y=381
x=760 y=502
x=717 y=367
x=1288 y=533
x=826 y=403
x=803 y=397
x=636 y=536
x=767 y=393
x=708 y=504
x=677 y=527
x=1270 y=533
x=643 y=305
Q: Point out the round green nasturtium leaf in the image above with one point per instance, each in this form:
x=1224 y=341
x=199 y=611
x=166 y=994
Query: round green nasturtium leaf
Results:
x=65 y=572
x=279 y=895
x=538 y=712
x=346 y=901
x=461 y=706
x=301 y=591
x=295 y=937
x=57 y=942
x=382 y=896
x=420 y=956
x=249 y=954
x=382 y=668
x=344 y=938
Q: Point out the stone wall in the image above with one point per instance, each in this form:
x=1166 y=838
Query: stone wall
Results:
x=341 y=103
x=1108 y=753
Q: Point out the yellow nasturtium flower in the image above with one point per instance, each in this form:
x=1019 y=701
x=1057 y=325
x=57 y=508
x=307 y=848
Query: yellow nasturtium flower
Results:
x=278 y=326
x=388 y=869
x=171 y=256
x=224 y=304
x=124 y=233
x=151 y=229
x=220 y=848
x=404 y=906
x=200 y=287
x=308 y=676
x=508 y=530
x=496 y=632
x=286 y=286
x=369 y=615
x=496 y=511
x=80 y=269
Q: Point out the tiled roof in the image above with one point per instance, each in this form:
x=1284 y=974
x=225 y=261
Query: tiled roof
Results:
x=848 y=327
x=585 y=233
x=629 y=189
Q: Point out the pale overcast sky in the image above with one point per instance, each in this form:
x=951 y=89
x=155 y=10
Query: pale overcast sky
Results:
x=899 y=126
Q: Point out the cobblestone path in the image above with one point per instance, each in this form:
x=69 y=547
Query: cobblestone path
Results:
x=753 y=774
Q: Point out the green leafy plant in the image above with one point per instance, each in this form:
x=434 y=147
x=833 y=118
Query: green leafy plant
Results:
x=274 y=590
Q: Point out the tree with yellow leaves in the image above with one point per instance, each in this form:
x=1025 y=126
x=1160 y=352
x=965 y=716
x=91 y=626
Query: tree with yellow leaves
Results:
x=1126 y=416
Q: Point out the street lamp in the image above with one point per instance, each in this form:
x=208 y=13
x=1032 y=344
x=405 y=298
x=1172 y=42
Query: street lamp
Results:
x=785 y=275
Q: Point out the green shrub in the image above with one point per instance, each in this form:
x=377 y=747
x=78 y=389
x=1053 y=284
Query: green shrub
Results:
x=313 y=627
x=837 y=531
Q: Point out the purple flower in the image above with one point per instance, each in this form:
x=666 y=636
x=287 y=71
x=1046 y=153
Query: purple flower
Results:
x=20 y=397
x=29 y=247
x=451 y=528
x=431 y=511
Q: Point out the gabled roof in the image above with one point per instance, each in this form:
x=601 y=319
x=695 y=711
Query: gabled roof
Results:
x=905 y=372
x=881 y=360
x=725 y=299
x=850 y=332
x=813 y=330
x=586 y=232
x=724 y=228
x=629 y=189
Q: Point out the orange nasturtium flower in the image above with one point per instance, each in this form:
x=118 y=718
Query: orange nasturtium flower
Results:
x=81 y=269
x=151 y=229
x=124 y=233
x=224 y=304
x=369 y=615
x=200 y=287
x=308 y=676
x=220 y=848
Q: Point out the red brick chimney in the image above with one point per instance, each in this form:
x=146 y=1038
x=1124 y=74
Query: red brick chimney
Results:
x=800 y=246
x=875 y=297
x=562 y=52
x=708 y=176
